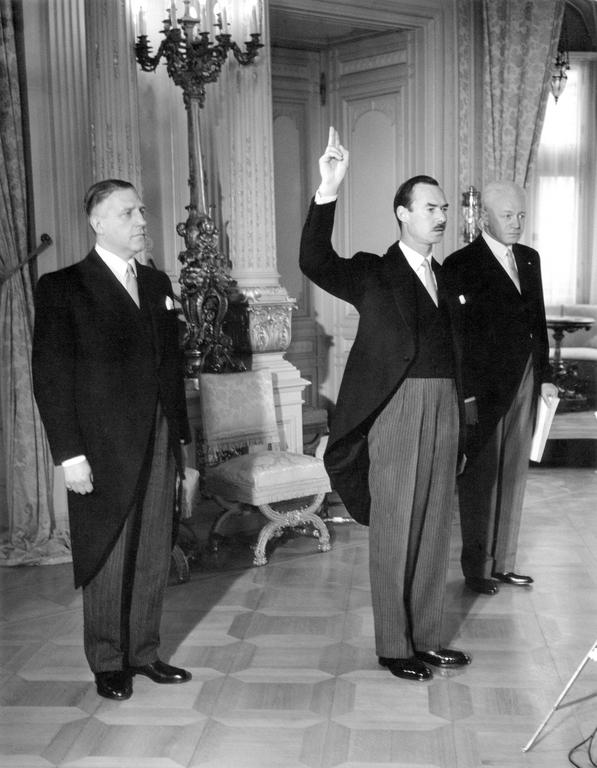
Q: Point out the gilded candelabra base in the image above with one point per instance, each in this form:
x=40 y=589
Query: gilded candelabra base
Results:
x=206 y=292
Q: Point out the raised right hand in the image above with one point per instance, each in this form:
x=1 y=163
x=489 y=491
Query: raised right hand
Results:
x=333 y=164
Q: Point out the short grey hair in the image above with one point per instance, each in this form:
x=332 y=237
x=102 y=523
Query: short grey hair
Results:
x=496 y=189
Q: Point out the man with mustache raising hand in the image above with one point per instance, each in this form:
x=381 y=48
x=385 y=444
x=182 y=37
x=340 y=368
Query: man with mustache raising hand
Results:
x=394 y=438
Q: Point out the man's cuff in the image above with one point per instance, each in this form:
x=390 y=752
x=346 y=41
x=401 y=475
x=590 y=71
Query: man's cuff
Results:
x=323 y=199
x=74 y=460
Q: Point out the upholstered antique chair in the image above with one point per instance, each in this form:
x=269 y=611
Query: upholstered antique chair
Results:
x=244 y=467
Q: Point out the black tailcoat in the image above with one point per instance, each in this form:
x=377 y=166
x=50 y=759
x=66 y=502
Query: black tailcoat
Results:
x=100 y=365
x=383 y=291
x=501 y=329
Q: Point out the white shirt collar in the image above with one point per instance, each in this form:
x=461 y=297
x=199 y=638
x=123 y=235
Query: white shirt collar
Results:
x=414 y=258
x=498 y=249
x=114 y=263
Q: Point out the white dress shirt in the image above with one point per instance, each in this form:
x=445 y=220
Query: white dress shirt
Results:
x=323 y=199
x=416 y=261
x=500 y=251
x=115 y=264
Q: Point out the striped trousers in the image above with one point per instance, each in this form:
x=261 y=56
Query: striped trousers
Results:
x=122 y=604
x=491 y=489
x=413 y=447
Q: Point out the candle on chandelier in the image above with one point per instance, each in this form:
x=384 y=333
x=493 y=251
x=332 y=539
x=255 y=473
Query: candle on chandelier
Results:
x=220 y=14
x=141 y=21
x=173 y=20
x=197 y=12
x=203 y=15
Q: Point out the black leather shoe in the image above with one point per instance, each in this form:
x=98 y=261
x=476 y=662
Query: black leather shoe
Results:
x=116 y=685
x=160 y=672
x=482 y=586
x=408 y=669
x=444 y=657
x=516 y=579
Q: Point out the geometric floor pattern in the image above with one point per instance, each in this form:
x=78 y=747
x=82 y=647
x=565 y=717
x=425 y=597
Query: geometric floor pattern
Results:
x=284 y=668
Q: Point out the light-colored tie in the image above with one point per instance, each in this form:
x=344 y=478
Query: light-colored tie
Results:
x=429 y=280
x=512 y=268
x=130 y=283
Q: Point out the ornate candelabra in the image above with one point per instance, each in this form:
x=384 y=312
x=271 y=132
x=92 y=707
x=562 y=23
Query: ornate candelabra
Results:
x=471 y=202
x=192 y=60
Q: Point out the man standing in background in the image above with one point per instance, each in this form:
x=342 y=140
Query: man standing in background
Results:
x=108 y=380
x=505 y=367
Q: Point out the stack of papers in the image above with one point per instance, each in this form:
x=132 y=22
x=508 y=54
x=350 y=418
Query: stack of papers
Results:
x=545 y=414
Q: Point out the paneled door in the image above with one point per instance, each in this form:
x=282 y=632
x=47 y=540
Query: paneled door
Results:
x=363 y=88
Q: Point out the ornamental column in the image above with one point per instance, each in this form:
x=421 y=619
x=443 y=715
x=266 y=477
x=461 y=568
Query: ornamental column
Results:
x=241 y=131
x=112 y=91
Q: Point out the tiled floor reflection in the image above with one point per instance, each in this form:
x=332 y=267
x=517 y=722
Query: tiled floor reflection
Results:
x=284 y=671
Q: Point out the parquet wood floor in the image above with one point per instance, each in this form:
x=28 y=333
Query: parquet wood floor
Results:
x=284 y=669
x=579 y=425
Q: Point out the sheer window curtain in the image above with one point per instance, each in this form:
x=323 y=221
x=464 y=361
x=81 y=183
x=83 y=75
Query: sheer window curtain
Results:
x=34 y=535
x=563 y=189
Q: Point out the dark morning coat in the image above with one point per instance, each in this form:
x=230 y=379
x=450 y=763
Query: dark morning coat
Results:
x=383 y=291
x=501 y=328
x=99 y=366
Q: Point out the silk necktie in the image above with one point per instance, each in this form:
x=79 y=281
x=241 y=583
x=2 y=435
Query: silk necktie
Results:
x=512 y=268
x=130 y=283
x=429 y=280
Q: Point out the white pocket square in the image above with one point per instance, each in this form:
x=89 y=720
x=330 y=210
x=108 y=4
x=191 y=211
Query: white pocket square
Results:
x=461 y=299
x=169 y=303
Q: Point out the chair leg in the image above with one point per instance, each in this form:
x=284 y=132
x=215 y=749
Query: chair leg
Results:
x=179 y=565
x=265 y=534
x=230 y=509
x=188 y=542
x=321 y=531
x=294 y=518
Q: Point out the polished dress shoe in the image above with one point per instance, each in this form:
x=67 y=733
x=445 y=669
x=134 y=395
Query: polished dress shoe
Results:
x=444 y=657
x=408 y=669
x=482 y=586
x=516 y=579
x=116 y=685
x=160 y=672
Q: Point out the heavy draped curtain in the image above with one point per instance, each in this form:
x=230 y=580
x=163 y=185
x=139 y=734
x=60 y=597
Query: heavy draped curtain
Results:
x=520 y=42
x=34 y=535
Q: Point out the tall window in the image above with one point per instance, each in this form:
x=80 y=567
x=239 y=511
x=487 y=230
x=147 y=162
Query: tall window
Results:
x=563 y=192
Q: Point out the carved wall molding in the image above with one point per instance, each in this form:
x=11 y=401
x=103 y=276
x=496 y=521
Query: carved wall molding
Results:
x=267 y=294
x=295 y=71
x=261 y=321
x=387 y=107
x=294 y=112
x=269 y=327
x=348 y=67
